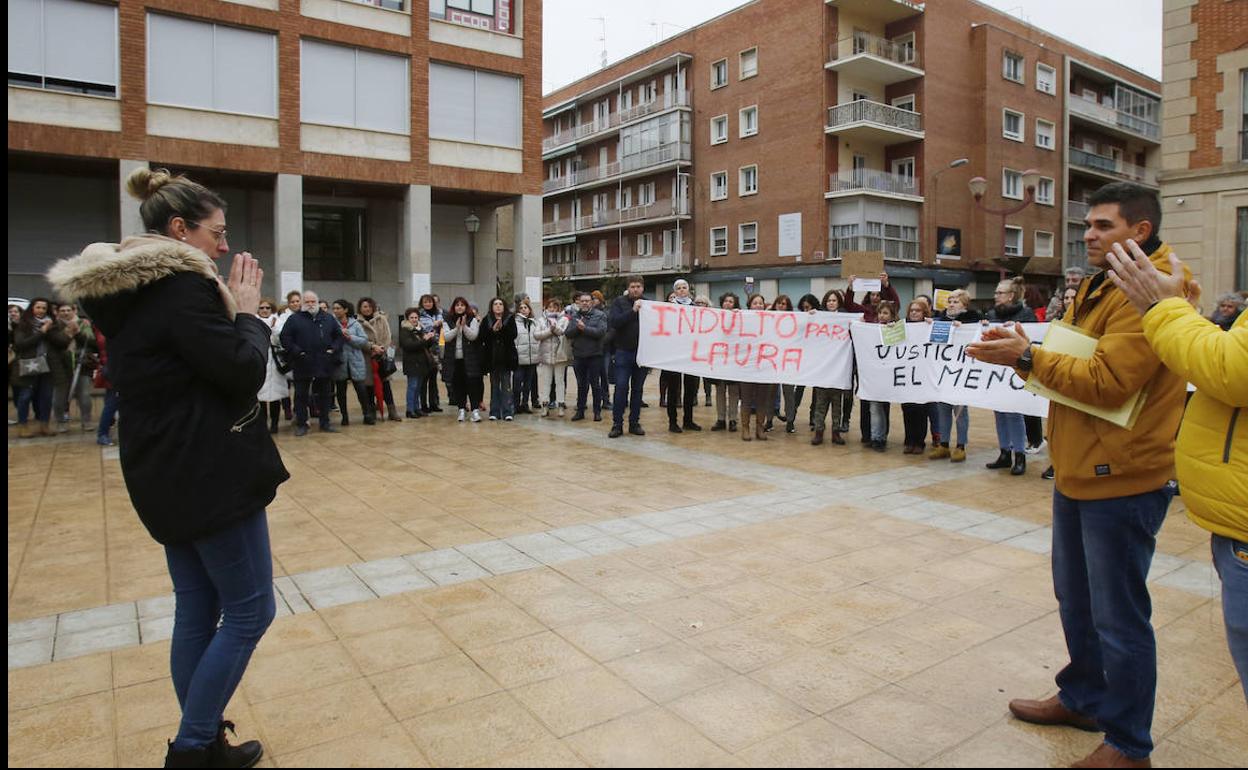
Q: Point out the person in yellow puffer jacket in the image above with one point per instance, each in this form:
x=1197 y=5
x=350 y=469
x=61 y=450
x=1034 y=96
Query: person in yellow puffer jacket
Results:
x=1212 y=452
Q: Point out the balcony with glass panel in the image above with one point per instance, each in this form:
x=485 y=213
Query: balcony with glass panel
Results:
x=598 y=129
x=1111 y=168
x=1126 y=113
x=895 y=247
x=864 y=56
x=869 y=121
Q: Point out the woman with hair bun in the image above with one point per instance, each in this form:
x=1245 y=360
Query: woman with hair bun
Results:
x=187 y=356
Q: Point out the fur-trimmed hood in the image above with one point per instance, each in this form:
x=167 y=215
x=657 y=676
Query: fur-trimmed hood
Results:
x=105 y=269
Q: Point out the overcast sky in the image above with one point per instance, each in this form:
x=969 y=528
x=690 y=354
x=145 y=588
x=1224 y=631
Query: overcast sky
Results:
x=1128 y=31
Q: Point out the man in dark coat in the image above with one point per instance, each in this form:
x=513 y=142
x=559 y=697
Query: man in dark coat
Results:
x=587 y=325
x=313 y=340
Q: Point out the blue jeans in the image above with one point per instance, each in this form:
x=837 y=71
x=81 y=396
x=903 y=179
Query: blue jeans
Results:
x=1102 y=550
x=415 y=392
x=107 y=414
x=500 y=394
x=37 y=394
x=879 y=420
x=523 y=382
x=228 y=577
x=1230 y=559
x=1011 y=431
x=944 y=423
x=629 y=381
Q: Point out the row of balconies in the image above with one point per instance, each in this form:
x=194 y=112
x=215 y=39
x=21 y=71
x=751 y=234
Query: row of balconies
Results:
x=626 y=217
x=655 y=156
x=590 y=130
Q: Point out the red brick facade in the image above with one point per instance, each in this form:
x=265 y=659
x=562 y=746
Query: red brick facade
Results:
x=1223 y=27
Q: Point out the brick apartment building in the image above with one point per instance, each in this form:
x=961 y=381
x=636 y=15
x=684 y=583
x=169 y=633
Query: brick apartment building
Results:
x=771 y=140
x=1204 y=161
x=355 y=142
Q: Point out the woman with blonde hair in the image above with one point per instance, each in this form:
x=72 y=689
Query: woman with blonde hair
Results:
x=198 y=462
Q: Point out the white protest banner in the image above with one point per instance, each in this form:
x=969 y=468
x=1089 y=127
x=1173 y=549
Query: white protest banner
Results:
x=921 y=371
x=748 y=345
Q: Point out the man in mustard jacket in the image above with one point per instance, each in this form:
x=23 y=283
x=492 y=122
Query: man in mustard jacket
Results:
x=1112 y=489
x=1212 y=454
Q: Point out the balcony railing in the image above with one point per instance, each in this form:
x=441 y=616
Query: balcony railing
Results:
x=629 y=263
x=656 y=156
x=894 y=249
x=876 y=181
x=1076 y=210
x=873 y=45
x=1107 y=165
x=865 y=111
x=616 y=119
x=1103 y=113
x=610 y=217
x=651 y=262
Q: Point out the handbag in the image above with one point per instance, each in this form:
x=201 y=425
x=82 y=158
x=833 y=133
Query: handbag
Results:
x=33 y=367
x=385 y=365
x=281 y=360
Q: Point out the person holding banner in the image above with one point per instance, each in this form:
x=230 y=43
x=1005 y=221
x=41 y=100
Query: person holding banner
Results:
x=629 y=377
x=839 y=401
x=872 y=300
x=1011 y=427
x=915 y=415
x=704 y=301
x=682 y=389
x=757 y=398
x=885 y=313
x=1112 y=490
x=727 y=392
x=958 y=310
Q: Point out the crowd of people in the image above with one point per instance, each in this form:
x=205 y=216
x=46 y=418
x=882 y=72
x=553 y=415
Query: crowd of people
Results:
x=201 y=467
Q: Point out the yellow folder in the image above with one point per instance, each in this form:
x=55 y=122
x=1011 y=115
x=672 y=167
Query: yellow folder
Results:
x=1070 y=340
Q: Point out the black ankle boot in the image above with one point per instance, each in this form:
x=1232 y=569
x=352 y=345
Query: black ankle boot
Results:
x=197 y=757
x=1004 y=460
x=246 y=754
x=1020 y=464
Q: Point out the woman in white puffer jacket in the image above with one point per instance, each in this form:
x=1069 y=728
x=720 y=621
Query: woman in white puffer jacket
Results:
x=275 y=387
x=553 y=355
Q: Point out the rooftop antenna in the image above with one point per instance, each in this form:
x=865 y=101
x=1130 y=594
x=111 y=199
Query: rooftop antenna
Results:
x=602 y=39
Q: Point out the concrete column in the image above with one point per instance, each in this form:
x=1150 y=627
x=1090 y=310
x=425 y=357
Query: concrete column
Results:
x=485 y=267
x=131 y=223
x=768 y=287
x=288 y=234
x=527 y=246
x=416 y=243
x=923 y=286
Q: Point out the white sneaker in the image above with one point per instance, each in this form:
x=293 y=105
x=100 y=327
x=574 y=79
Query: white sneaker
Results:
x=563 y=411
x=462 y=414
x=1035 y=450
x=545 y=412
x=493 y=418
x=476 y=415
x=508 y=418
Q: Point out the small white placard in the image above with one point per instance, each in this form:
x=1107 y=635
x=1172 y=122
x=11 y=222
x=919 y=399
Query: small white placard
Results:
x=290 y=281
x=790 y=228
x=866 y=284
x=420 y=286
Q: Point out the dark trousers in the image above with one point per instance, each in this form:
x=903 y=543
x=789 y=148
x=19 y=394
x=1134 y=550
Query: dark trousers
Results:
x=321 y=392
x=109 y=414
x=629 y=381
x=524 y=386
x=1035 y=429
x=431 y=391
x=363 y=394
x=588 y=375
x=466 y=390
x=679 y=385
x=915 y=416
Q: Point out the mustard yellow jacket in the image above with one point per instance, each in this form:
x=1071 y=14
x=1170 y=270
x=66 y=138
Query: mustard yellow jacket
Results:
x=1094 y=459
x=1212 y=453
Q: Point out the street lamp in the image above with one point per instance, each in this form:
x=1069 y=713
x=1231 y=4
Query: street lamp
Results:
x=935 y=215
x=472 y=222
x=978 y=186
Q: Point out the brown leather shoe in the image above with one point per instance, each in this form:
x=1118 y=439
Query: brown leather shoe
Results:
x=1108 y=756
x=1051 y=712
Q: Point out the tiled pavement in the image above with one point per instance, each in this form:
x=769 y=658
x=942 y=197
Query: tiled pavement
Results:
x=535 y=594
